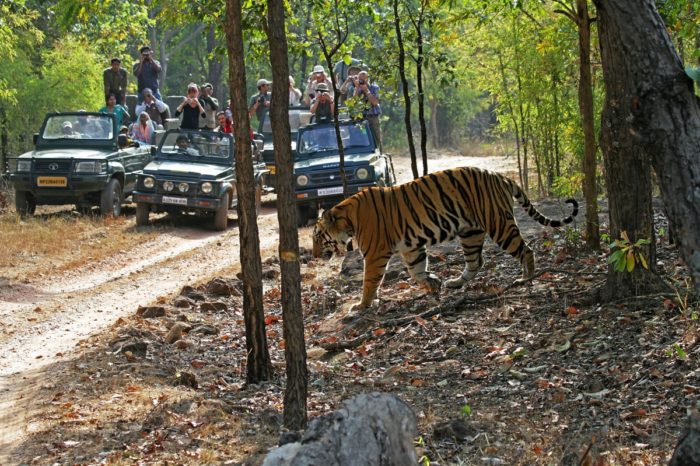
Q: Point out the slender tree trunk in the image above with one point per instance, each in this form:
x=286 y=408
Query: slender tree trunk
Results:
x=652 y=114
x=421 y=92
x=585 y=103
x=259 y=365
x=404 y=86
x=434 y=105
x=295 y=393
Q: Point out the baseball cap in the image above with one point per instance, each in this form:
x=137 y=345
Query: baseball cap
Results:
x=66 y=124
x=262 y=82
x=116 y=60
x=319 y=69
x=322 y=87
x=207 y=85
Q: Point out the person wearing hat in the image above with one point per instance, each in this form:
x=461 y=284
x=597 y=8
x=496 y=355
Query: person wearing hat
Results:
x=318 y=76
x=146 y=71
x=115 y=80
x=211 y=105
x=322 y=105
x=367 y=93
x=343 y=69
x=156 y=109
x=67 y=128
x=260 y=102
x=191 y=108
x=345 y=89
x=294 y=93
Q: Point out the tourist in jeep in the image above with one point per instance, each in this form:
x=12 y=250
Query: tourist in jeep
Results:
x=143 y=131
x=322 y=105
x=191 y=108
x=156 y=109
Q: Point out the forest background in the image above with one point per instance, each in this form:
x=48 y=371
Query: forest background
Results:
x=492 y=70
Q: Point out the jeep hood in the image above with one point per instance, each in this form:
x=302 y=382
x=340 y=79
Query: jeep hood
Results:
x=67 y=153
x=187 y=169
x=333 y=161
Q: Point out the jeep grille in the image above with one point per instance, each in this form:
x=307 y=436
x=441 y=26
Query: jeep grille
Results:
x=52 y=166
x=331 y=177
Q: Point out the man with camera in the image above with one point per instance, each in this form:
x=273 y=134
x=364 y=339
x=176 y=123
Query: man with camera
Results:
x=146 y=71
x=317 y=77
x=261 y=102
x=368 y=95
x=322 y=105
x=211 y=105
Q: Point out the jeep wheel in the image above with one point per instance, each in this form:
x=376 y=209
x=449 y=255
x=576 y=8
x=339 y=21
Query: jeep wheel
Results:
x=111 y=199
x=258 y=197
x=306 y=213
x=142 y=211
x=25 y=204
x=221 y=215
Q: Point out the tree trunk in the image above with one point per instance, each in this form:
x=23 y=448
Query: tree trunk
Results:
x=295 y=393
x=434 y=122
x=421 y=92
x=659 y=112
x=629 y=79
x=404 y=86
x=259 y=366
x=585 y=104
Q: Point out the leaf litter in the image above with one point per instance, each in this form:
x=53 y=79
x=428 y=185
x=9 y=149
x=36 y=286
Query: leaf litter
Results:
x=497 y=373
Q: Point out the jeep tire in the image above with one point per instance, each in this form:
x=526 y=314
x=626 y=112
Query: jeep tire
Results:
x=25 y=204
x=142 y=211
x=111 y=199
x=221 y=214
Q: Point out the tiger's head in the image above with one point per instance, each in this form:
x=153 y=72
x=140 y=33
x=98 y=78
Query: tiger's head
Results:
x=330 y=231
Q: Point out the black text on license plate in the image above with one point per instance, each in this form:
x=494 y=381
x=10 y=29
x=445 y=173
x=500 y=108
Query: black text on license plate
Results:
x=174 y=200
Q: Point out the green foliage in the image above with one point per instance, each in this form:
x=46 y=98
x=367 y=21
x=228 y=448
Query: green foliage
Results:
x=466 y=410
x=677 y=351
x=625 y=255
x=568 y=185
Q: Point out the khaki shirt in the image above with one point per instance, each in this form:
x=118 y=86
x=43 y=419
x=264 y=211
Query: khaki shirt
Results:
x=115 y=82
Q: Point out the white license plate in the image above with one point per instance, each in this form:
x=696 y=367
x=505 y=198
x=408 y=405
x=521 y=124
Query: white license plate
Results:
x=330 y=191
x=174 y=200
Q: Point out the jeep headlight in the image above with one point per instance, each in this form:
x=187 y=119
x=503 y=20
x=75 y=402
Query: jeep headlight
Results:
x=89 y=167
x=207 y=187
x=168 y=186
x=149 y=182
x=362 y=173
x=183 y=187
x=24 y=165
x=302 y=180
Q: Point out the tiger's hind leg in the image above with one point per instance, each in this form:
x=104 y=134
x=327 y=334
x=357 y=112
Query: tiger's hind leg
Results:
x=417 y=262
x=472 y=245
x=511 y=241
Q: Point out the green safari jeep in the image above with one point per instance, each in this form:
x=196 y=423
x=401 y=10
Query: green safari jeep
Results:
x=79 y=158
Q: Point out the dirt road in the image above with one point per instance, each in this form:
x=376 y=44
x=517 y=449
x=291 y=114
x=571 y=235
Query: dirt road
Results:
x=44 y=319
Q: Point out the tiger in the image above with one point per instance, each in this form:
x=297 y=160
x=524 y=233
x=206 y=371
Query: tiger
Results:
x=462 y=202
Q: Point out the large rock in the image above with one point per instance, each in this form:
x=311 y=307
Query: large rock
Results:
x=372 y=430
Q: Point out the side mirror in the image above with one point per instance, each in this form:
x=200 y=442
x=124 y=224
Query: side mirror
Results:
x=122 y=140
x=35 y=138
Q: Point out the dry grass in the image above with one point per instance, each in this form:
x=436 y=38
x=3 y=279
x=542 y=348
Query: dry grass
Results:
x=62 y=241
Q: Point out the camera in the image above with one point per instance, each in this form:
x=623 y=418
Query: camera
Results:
x=261 y=99
x=361 y=82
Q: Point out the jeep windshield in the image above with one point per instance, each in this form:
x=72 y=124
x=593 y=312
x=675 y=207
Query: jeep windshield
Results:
x=196 y=146
x=84 y=126
x=320 y=141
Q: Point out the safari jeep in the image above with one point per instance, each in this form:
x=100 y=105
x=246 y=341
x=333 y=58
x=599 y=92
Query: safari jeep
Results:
x=193 y=172
x=317 y=179
x=80 y=159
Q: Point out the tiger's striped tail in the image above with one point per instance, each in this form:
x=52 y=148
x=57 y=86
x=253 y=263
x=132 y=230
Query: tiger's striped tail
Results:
x=524 y=201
